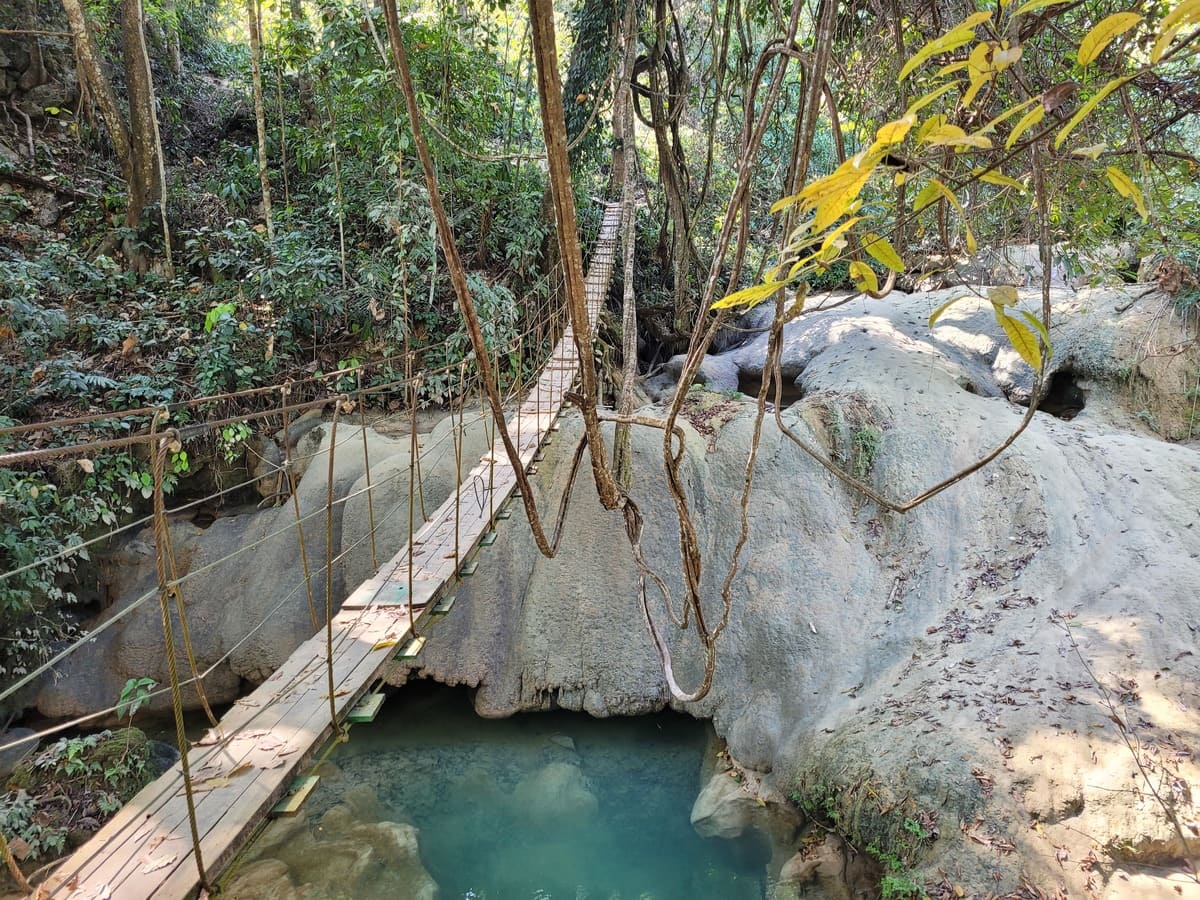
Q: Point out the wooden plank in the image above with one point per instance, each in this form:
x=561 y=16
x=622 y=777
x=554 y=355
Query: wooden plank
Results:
x=367 y=709
x=293 y=800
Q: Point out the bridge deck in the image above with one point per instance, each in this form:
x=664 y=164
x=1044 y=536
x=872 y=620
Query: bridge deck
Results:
x=248 y=762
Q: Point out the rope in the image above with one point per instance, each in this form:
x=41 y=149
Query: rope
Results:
x=329 y=568
x=362 y=421
x=160 y=527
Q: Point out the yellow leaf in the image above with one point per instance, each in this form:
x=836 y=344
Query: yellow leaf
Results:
x=921 y=103
x=1126 y=188
x=977 y=82
x=1004 y=295
x=783 y=203
x=1092 y=152
x=749 y=297
x=879 y=248
x=1035 y=5
x=1105 y=32
x=950 y=69
x=864 y=277
x=931 y=124
x=899 y=178
x=1091 y=104
x=1040 y=328
x=1021 y=337
x=839 y=204
x=1185 y=12
x=384 y=644
x=1163 y=41
x=895 y=132
x=832 y=237
x=956 y=37
x=926 y=197
x=1007 y=114
x=1001 y=180
x=1028 y=120
x=939 y=188
x=800 y=264
x=943 y=133
x=937 y=313
x=953 y=136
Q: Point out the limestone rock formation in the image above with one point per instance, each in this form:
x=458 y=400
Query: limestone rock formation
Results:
x=247 y=598
x=964 y=665
x=347 y=858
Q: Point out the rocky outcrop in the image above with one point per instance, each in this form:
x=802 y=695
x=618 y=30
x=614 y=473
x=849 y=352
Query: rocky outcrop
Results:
x=345 y=857
x=960 y=670
x=245 y=592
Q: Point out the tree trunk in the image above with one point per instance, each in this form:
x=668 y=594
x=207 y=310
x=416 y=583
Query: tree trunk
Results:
x=625 y=168
x=260 y=114
x=87 y=60
x=145 y=172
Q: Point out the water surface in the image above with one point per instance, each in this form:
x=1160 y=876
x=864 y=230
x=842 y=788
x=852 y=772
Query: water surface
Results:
x=545 y=806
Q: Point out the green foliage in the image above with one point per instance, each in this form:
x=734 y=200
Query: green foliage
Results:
x=20 y=821
x=82 y=779
x=867 y=441
x=895 y=834
x=588 y=83
x=133 y=695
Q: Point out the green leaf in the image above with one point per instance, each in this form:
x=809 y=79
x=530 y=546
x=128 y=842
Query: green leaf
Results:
x=749 y=297
x=1105 y=32
x=1021 y=337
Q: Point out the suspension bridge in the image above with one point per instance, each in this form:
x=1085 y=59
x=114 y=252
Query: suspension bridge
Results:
x=179 y=833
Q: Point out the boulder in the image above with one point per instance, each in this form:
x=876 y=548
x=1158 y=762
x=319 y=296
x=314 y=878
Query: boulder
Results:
x=264 y=879
x=18 y=743
x=343 y=857
x=724 y=808
x=556 y=794
x=247 y=597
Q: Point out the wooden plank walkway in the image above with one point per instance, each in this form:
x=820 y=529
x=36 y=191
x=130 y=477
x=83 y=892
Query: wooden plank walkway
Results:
x=247 y=763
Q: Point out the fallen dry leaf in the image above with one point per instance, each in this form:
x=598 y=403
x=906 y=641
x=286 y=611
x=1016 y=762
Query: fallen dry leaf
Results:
x=154 y=863
x=212 y=736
